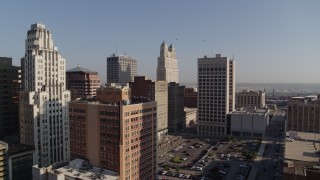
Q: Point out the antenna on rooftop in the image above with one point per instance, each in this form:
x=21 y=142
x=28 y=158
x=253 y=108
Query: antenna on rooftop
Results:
x=116 y=47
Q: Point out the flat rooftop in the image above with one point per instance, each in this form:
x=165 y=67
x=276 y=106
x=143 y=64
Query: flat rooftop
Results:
x=19 y=148
x=126 y=102
x=76 y=170
x=189 y=110
x=3 y=145
x=301 y=150
x=261 y=112
x=304 y=135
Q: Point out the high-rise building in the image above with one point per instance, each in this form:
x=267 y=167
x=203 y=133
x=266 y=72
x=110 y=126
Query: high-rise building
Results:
x=44 y=116
x=216 y=94
x=303 y=114
x=167 y=64
x=3 y=160
x=20 y=161
x=176 y=113
x=82 y=82
x=190 y=97
x=117 y=132
x=10 y=82
x=155 y=91
x=121 y=69
x=249 y=99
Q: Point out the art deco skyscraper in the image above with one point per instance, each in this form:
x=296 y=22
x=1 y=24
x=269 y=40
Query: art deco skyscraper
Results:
x=216 y=95
x=44 y=119
x=167 y=64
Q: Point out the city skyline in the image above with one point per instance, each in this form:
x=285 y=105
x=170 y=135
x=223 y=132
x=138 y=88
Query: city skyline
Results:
x=281 y=36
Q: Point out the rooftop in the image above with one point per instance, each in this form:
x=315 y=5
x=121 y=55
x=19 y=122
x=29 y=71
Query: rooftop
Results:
x=246 y=91
x=304 y=136
x=252 y=111
x=302 y=151
x=80 y=69
x=18 y=148
x=82 y=170
x=134 y=100
x=190 y=110
x=3 y=145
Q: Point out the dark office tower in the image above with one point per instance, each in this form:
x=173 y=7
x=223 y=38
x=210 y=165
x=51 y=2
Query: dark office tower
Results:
x=10 y=81
x=82 y=82
x=121 y=69
x=176 y=114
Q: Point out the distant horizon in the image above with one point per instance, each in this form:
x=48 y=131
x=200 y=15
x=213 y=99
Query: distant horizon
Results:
x=263 y=83
x=281 y=46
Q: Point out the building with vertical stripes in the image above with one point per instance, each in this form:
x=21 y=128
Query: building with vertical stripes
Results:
x=216 y=94
x=44 y=112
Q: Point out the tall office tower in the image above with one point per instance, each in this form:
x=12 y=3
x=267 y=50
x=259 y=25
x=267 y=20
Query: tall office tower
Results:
x=82 y=82
x=167 y=64
x=44 y=116
x=116 y=132
x=121 y=69
x=303 y=114
x=176 y=113
x=216 y=95
x=155 y=91
x=248 y=98
x=10 y=82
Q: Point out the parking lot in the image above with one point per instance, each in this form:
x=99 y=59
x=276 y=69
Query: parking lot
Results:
x=207 y=159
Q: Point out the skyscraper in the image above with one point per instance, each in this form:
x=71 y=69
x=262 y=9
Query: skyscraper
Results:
x=44 y=118
x=10 y=82
x=156 y=91
x=116 y=132
x=82 y=82
x=167 y=64
x=121 y=69
x=176 y=114
x=216 y=95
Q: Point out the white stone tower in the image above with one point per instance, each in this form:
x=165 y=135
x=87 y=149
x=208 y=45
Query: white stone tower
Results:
x=44 y=118
x=167 y=64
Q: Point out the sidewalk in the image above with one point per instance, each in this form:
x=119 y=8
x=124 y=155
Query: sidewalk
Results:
x=255 y=167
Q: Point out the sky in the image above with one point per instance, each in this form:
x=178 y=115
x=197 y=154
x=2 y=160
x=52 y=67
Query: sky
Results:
x=272 y=41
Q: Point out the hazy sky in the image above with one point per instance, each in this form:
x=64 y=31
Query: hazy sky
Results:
x=272 y=41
